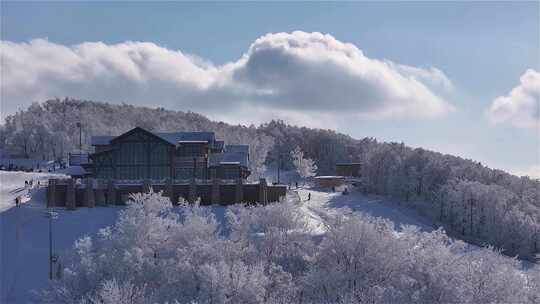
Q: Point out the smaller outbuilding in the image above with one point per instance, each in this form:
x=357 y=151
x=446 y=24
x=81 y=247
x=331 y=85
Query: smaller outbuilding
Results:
x=348 y=169
x=329 y=181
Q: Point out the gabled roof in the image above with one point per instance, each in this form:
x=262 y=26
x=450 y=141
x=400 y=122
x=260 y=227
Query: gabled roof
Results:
x=175 y=137
x=228 y=158
x=237 y=148
x=171 y=137
x=100 y=140
x=138 y=129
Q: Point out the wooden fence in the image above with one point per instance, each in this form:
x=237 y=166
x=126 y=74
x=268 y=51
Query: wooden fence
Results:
x=89 y=192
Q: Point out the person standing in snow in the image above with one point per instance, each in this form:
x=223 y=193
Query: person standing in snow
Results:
x=309 y=196
x=17 y=202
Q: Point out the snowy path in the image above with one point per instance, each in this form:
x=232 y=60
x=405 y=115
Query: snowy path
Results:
x=12 y=185
x=324 y=204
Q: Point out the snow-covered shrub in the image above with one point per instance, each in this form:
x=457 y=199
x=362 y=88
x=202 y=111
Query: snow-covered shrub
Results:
x=110 y=292
x=357 y=259
x=159 y=254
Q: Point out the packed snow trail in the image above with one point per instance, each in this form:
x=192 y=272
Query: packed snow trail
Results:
x=324 y=204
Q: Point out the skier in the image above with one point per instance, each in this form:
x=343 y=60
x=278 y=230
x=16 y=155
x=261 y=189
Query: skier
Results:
x=309 y=196
x=17 y=202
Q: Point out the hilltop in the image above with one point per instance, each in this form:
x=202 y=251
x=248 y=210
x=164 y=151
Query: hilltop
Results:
x=471 y=201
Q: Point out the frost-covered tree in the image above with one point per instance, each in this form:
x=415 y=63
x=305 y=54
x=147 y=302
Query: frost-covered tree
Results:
x=266 y=254
x=305 y=167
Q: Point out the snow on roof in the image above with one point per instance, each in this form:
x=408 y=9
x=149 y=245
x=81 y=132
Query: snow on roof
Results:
x=329 y=177
x=175 y=137
x=75 y=171
x=171 y=137
x=78 y=158
x=193 y=142
x=100 y=140
x=237 y=148
x=228 y=157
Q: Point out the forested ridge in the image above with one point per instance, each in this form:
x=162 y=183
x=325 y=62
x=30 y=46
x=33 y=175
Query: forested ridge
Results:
x=471 y=201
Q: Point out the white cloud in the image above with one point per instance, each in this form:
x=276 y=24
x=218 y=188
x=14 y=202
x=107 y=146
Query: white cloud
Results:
x=299 y=76
x=520 y=108
x=532 y=171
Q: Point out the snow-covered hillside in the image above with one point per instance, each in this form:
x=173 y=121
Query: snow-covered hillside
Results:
x=324 y=203
x=24 y=235
x=24 y=230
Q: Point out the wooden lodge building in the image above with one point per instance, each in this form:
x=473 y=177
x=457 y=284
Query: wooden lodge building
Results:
x=140 y=154
x=188 y=165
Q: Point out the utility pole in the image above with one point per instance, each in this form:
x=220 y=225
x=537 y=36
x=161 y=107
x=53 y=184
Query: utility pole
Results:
x=279 y=168
x=79 y=125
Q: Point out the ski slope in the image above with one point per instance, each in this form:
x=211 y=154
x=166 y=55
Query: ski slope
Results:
x=25 y=236
x=324 y=204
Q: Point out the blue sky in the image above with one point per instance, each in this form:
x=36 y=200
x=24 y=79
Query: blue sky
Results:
x=483 y=49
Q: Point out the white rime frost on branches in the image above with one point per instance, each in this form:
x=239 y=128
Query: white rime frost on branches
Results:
x=159 y=254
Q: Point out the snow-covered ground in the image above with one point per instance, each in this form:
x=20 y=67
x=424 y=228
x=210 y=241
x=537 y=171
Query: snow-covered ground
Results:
x=25 y=235
x=24 y=231
x=323 y=204
x=12 y=185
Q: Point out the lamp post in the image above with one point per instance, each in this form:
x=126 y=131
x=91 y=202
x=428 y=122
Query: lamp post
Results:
x=52 y=215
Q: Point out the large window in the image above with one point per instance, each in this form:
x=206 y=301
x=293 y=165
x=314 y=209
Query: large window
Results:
x=142 y=160
x=131 y=153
